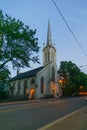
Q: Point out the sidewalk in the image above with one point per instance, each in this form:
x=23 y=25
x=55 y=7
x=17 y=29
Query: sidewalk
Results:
x=75 y=121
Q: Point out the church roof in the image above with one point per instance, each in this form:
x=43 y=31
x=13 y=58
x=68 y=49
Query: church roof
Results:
x=27 y=74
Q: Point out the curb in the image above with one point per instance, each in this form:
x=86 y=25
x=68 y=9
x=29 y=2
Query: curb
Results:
x=58 y=120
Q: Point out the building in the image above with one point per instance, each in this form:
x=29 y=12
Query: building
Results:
x=41 y=81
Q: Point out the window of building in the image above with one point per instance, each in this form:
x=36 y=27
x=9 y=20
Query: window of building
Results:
x=32 y=81
x=18 y=87
x=48 y=56
x=45 y=57
x=53 y=73
x=42 y=85
x=25 y=87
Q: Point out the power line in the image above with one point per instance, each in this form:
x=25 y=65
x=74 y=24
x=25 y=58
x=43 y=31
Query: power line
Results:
x=77 y=41
x=83 y=66
x=75 y=31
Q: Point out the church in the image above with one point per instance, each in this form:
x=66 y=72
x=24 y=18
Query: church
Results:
x=39 y=82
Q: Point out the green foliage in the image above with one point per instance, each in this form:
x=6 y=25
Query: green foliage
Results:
x=17 y=43
x=4 y=78
x=74 y=78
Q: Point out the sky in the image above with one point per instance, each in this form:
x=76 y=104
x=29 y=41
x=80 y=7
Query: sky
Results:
x=36 y=13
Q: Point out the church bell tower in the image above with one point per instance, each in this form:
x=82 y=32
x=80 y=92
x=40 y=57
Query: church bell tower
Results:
x=49 y=51
x=50 y=65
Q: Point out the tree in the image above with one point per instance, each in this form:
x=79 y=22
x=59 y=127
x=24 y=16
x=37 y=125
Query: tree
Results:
x=83 y=82
x=72 y=75
x=17 y=43
x=4 y=78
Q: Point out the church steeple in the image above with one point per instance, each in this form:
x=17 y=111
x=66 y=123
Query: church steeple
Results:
x=49 y=51
x=49 y=37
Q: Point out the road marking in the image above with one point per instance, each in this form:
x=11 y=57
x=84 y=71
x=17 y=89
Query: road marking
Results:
x=20 y=108
x=58 y=120
x=10 y=110
x=57 y=102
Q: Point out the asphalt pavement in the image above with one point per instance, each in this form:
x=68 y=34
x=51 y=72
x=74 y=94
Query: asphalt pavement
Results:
x=74 y=121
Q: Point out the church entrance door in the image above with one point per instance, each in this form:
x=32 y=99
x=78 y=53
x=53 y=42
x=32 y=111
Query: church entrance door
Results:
x=32 y=93
x=53 y=92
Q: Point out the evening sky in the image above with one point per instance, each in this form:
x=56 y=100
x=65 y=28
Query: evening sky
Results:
x=36 y=13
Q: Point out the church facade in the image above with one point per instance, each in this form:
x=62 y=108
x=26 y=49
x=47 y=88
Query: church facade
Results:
x=41 y=81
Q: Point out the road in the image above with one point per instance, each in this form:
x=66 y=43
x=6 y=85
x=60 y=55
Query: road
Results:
x=34 y=115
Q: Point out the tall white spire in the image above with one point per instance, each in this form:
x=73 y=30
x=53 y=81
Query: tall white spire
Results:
x=49 y=37
x=49 y=51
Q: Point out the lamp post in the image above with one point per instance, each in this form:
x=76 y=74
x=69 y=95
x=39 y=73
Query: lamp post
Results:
x=60 y=87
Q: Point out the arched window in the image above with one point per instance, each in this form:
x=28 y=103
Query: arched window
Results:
x=48 y=56
x=18 y=87
x=54 y=56
x=45 y=57
x=51 y=56
x=32 y=81
x=42 y=85
x=25 y=87
x=53 y=73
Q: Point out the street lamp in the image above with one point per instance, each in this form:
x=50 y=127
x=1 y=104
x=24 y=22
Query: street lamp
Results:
x=61 y=88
